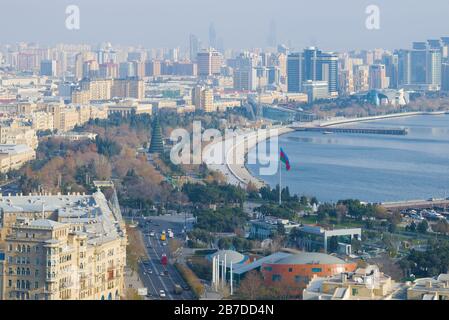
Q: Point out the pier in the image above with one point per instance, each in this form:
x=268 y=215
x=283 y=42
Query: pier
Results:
x=387 y=131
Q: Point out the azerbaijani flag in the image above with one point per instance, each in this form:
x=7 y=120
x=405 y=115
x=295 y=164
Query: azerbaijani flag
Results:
x=284 y=159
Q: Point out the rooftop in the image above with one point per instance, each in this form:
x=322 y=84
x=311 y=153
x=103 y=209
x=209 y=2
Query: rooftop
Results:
x=310 y=258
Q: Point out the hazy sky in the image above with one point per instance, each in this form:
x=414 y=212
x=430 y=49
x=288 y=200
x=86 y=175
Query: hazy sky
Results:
x=329 y=24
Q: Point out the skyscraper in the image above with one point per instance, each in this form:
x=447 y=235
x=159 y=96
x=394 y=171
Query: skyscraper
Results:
x=212 y=36
x=294 y=72
x=209 y=62
x=194 y=47
x=272 y=37
x=327 y=70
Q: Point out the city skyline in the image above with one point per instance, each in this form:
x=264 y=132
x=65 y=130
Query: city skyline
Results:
x=250 y=27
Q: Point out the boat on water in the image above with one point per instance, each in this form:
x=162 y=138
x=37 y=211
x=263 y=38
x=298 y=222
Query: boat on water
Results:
x=327 y=132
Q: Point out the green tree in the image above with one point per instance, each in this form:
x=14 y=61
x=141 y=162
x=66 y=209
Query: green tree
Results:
x=423 y=227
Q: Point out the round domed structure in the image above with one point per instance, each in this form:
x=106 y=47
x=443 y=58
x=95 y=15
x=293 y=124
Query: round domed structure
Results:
x=231 y=255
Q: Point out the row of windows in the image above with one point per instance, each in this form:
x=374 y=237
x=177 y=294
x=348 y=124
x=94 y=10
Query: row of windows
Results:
x=298 y=279
x=23 y=248
x=23 y=272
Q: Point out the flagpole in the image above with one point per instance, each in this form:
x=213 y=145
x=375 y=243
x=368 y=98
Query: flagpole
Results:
x=280 y=182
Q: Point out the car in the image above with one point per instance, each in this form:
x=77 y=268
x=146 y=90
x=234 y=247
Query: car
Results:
x=166 y=272
x=162 y=293
x=164 y=243
x=185 y=287
x=150 y=271
x=152 y=234
x=161 y=274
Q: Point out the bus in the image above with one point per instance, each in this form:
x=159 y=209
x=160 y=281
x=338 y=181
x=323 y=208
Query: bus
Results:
x=164 y=259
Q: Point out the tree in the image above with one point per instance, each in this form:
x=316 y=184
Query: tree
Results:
x=423 y=227
x=252 y=286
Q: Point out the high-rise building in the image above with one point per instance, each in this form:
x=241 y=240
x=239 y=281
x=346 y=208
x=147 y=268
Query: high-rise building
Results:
x=194 y=47
x=404 y=67
x=391 y=62
x=212 y=36
x=445 y=77
x=377 y=77
x=327 y=70
x=294 y=72
x=153 y=68
x=272 y=38
x=48 y=68
x=203 y=99
x=433 y=68
x=209 y=63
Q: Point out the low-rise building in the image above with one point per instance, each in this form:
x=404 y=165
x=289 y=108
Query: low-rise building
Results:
x=363 y=284
x=13 y=157
x=429 y=288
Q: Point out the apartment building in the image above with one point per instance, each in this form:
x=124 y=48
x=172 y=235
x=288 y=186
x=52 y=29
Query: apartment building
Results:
x=14 y=132
x=12 y=157
x=61 y=247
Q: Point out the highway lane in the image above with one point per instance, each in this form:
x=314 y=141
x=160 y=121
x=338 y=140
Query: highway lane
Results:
x=157 y=280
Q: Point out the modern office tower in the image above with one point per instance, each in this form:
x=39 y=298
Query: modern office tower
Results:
x=445 y=77
x=378 y=77
x=391 y=62
x=419 y=63
x=404 y=67
x=108 y=70
x=361 y=78
x=62 y=247
x=194 y=47
x=203 y=99
x=48 y=68
x=327 y=70
x=433 y=68
x=294 y=72
x=156 y=143
x=106 y=56
x=281 y=62
x=310 y=64
x=212 y=36
x=209 y=63
x=316 y=90
x=153 y=68
x=321 y=66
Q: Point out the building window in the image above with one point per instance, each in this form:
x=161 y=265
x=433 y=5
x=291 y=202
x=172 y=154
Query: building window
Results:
x=276 y=277
x=268 y=268
x=316 y=270
x=36 y=285
x=290 y=269
x=9 y=283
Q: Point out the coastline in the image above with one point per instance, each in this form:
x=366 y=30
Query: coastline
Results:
x=239 y=174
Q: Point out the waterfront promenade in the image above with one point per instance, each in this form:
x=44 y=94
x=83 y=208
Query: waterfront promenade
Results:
x=236 y=172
